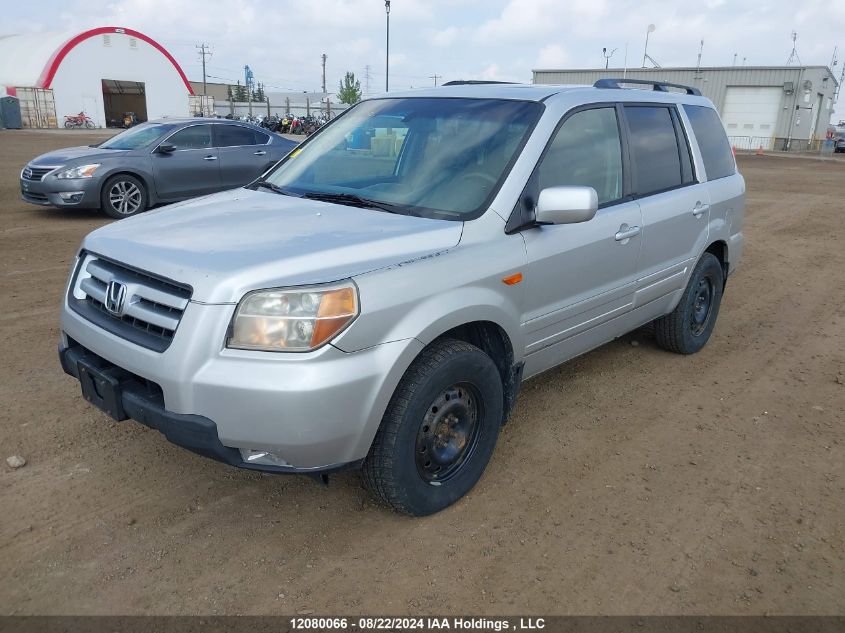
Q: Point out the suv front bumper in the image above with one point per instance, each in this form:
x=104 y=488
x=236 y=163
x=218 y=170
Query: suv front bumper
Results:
x=314 y=412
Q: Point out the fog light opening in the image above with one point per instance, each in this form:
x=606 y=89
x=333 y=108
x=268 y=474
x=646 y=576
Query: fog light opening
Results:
x=264 y=458
x=71 y=196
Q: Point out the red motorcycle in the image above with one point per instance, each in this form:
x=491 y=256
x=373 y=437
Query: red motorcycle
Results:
x=79 y=120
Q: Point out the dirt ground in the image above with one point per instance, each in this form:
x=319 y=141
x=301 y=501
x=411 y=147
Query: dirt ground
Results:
x=630 y=480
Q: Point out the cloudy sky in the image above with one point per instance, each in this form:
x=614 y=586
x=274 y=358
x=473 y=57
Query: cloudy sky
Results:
x=489 y=39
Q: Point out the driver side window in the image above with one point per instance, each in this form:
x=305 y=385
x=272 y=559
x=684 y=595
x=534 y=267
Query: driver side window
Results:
x=586 y=151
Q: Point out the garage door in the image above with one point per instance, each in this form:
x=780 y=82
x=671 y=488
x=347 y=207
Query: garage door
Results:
x=751 y=114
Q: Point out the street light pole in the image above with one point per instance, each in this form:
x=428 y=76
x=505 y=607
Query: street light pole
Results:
x=387 y=47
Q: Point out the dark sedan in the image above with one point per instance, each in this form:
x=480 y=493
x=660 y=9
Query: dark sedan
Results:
x=153 y=163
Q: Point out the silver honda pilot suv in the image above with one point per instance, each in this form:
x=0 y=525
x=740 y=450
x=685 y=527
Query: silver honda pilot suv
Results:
x=375 y=300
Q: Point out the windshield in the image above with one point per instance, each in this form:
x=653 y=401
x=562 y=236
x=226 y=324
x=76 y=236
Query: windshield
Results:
x=137 y=137
x=432 y=157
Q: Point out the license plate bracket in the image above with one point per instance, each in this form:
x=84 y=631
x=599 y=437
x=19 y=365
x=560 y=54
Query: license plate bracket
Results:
x=102 y=388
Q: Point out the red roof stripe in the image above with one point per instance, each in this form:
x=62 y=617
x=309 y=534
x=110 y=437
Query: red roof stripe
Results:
x=49 y=72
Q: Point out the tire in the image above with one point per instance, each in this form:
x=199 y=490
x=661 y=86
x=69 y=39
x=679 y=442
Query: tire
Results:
x=89 y=125
x=120 y=188
x=688 y=327
x=416 y=469
x=68 y=125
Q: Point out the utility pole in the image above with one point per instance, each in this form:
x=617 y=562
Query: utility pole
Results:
x=204 y=51
x=367 y=79
x=324 y=57
x=249 y=79
x=387 y=48
x=435 y=77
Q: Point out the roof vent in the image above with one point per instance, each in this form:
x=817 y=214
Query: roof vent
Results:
x=133 y=43
x=106 y=40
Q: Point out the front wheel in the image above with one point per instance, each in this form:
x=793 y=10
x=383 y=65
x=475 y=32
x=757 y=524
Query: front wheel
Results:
x=439 y=430
x=89 y=124
x=688 y=327
x=123 y=196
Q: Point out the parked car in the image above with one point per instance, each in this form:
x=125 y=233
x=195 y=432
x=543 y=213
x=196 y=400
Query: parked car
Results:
x=839 y=144
x=153 y=163
x=379 y=307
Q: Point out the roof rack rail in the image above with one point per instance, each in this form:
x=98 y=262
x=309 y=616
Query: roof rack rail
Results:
x=474 y=82
x=660 y=86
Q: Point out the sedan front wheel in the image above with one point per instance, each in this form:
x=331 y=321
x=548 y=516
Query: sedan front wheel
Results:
x=123 y=196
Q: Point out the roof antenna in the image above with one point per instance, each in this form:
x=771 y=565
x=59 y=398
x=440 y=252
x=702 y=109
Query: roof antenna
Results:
x=607 y=56
x=794 y=54
x=698 y=64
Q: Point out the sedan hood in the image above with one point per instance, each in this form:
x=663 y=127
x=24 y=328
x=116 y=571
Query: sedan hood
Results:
x=64 y=156
x=228 y=243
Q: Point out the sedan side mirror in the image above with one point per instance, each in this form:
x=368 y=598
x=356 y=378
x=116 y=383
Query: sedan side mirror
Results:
x=166 y=148
x=566 y=205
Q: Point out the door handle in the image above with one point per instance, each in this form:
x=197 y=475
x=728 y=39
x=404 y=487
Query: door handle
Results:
x=700 y=209
x=210 y=158
x=259 y=153
x=626 y=232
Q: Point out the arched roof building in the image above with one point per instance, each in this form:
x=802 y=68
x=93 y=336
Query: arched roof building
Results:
x=104 y=71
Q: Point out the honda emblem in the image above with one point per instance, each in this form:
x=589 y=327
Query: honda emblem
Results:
x=115 y=297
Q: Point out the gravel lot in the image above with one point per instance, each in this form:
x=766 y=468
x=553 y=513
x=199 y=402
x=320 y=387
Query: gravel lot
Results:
x=628 y=481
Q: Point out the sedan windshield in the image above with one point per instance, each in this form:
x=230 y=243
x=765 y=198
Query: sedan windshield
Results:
x=432 y=157
x=137 y=137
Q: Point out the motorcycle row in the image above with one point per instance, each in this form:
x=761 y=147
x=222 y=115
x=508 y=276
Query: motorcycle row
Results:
x=291 y=124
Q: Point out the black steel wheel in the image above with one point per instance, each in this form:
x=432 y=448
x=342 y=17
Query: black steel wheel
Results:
x=448 y=433
x=439 y=430
x=688 y=327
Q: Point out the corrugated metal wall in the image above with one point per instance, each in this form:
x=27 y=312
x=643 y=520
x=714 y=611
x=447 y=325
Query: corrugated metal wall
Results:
x=714 y=82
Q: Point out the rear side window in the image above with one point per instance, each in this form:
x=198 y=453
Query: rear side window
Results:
x=261 y=138
x=234 y=135
x=712 y=141
x=586 y=152
x=193 y=137
x=654 y=149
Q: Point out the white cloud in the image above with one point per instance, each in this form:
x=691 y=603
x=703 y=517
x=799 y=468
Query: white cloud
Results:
x=553 y=56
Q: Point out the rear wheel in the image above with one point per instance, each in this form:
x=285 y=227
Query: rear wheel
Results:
x=439 y=430
x=688 y=327
x=123 y=196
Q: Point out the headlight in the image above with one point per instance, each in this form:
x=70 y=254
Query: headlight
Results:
x=83 y=171
x=294 y=320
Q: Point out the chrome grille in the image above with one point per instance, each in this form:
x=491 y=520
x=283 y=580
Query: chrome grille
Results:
x=150 y=311
x=31 y=172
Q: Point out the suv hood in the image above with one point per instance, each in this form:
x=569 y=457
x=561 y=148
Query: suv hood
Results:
x=226 y=244
x=63 y=156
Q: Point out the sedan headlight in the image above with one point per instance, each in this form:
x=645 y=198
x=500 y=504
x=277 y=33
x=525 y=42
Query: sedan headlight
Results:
x=83 y=171
x=293 y=320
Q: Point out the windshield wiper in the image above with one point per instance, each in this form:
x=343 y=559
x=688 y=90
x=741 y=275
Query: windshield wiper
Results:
x=352 y=200
x=266 y=184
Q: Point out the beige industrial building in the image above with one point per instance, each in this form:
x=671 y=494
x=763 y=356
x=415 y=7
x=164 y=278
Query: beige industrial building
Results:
x=774 y=107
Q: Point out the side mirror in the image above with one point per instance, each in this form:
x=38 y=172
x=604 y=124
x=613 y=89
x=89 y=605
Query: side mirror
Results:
x=166 y=148
x=566 y=205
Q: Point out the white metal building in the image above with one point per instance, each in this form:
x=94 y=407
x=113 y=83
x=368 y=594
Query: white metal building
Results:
x=770 y=106
x=104 y=72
